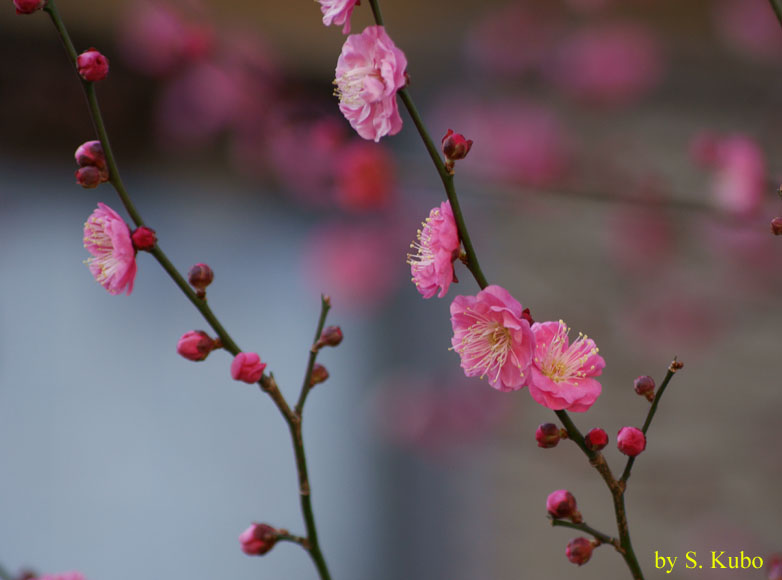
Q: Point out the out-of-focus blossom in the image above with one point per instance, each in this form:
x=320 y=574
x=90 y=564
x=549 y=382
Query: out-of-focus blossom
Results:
x=62 y=576
x=436 y=249
x=156 y=38
x=774 y=567
x=92 y=65
x=739 y=183
x=247 y=367
x=364 y=177
x=370 y=70
x=562 y=375
x=113 y=260
x=513 y=39
x=608 y=65
x=492 y=338
x=28 y=6
x=338 y=12
x=750 y=27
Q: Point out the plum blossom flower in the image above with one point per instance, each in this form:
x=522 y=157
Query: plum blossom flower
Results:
x=370 y=70
x=492 y=338
x=113 y=261
x=437 y=248
x=562 y=375
x=337 y=12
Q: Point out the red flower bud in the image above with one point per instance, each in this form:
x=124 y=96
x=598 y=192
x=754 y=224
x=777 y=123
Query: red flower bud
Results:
x=455 y=147
x=89 y=176
x=774 y=567
x=200 y=276
x=561 y=504
x=547 y=435
x=644 y=386
x=631 y=441
x=319 y=374
x=331 y=336
x=28 y=6
x=596 y=439
x=196 y=345
x=92 y=65
x=579 y=550
x=247 y=367
x=776 y=226
x=144 y=238
x=90 y=153
x=258 y=539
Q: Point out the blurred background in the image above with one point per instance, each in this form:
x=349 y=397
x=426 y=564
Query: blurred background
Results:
x=623 y=177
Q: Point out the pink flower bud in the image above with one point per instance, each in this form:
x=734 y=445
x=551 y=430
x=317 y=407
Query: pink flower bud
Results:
x=596 y=439
x=90 y=153
x=258 y=539
x=200 y=276
x=331 y=336
x=547 y=435
x=196 y=345
x=319 y=374
x=247 y=367
x=644 y=386
x=579 y=550
x=455 y=146
x=561 y=504
x=631 y=441
x=144 y=238
x=776 y=226
x=28 y=6
x=92 y=65
x=89 y=176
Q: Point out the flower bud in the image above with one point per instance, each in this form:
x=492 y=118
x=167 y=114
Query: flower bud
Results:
x=196 y=345
x=547 y=435
x=144 y=238
x=200 y=276
x=631 y=441
x=258 y=539
x=247 y=367
x=28 y=6
x=89 y=176
x=90 y=153
x=562 y=505
x=455 y=146
x=579 y=550
x=776 y=226
x=319 y=374
x=92 y=65
x=774 y=567
x=596 y=439
x=331 y=336
x=644 y=386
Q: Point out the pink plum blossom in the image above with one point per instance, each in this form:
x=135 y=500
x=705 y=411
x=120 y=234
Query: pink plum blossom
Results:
x=370 y=70
x=436 y=249
x=337 y=12
x=749 y=27
x=740 y=178
x=113 y=261
x=562 y=375
x=247 y=367
x=492 y=338
x=364 y=177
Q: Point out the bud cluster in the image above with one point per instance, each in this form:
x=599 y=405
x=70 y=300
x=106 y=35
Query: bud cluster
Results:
x=92 y=165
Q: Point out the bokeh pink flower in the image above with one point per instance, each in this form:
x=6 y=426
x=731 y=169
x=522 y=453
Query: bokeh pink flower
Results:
x=749 y=27
x=492 y=337
x=62 y=576
x=370 y=71
x=338 y=12
x=739 y=183
x=113 y=261
x=562 y=375
x=436 y=249
x=364 y=177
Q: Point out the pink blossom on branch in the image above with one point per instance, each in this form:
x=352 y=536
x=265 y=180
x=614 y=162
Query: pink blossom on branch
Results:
x=247 y=367
x=562 y=374
x=437 y=247
x=370 y=70
x=113 y=261
x=492 y=338
x=338 y=12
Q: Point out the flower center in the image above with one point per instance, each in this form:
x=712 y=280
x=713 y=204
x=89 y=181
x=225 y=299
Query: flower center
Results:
x=359 y=86
x=487 y=344
x=561 y=362
x=424 y=253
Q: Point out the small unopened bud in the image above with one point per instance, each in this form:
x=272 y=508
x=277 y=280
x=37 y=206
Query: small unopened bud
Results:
x=331 y=336
x=525 y=314
x=90 y=153
x=776 y=226
x=144 y=238
x=455 y=147
x=28 y=6
x=548 y=435
x=631 y=441
x=92 y=65
x=579 y=550
x=89 y=176
x=247 y=367
x=319 y=374
x=258 y=539
x=596 y=439
x=562 y=505
x=774 y=567
x=644 y=386
x=196 y=345
x=200 y=276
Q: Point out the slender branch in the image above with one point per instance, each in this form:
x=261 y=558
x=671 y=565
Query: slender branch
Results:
x=775 y=4
x=604 y=538
x=672 y=368
x=325 y=305
x=285 y=537
x=376 y=12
